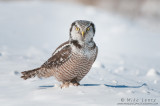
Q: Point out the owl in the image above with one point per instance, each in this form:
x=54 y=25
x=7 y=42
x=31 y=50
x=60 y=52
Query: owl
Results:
x=73 y=59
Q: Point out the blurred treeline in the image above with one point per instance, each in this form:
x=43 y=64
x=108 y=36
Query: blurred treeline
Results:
x=145 y=12
x=131 y=8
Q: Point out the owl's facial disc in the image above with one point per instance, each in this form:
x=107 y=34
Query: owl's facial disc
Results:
x=82 y=31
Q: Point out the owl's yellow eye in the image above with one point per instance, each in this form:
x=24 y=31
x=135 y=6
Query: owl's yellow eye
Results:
x=77 y=29
x=88 y=29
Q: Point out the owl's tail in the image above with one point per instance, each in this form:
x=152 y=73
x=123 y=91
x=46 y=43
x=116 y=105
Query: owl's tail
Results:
x=30 y=73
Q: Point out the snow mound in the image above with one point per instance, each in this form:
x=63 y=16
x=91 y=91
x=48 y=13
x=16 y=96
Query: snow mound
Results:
x=98 y=65
x=119 y=69
x=156 y=81
x=153 y=73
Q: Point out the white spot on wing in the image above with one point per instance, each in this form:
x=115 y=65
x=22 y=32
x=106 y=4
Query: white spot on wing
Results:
x=61 y=59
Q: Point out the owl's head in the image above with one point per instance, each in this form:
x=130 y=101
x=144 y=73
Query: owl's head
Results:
x=82 y=31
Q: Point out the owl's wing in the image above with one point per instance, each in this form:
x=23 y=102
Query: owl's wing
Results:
x=59 y=57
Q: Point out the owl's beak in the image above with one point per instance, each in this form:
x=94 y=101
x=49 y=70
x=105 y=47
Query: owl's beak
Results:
x=82 y=34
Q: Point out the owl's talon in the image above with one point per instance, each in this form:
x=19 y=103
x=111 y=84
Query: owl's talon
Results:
x=71 y=84
x=65 y=85
x=76 y=84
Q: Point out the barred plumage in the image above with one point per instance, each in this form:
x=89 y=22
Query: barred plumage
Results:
x=72 y=60
x=76 y=67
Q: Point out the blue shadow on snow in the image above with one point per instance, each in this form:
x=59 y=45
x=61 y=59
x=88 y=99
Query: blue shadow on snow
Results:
x=113 y=86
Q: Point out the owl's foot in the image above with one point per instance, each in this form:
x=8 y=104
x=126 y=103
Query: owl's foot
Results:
x=65 y=85
x=74 y=84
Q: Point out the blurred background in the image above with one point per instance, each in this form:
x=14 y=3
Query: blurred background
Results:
x=144 y=12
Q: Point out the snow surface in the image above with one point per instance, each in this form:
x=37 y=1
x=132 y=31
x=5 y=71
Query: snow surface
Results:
x=128 y=60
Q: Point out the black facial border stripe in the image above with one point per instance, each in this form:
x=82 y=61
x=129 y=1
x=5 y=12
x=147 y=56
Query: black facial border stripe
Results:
x=94 y=30
x=71 y=28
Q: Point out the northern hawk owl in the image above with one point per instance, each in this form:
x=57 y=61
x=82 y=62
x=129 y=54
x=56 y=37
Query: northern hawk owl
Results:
x=73 y=59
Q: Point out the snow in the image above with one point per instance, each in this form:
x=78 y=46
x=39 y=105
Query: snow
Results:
x=128 y=59
x=153 y=73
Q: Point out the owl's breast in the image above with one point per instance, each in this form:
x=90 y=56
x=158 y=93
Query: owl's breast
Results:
x=78 y=64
